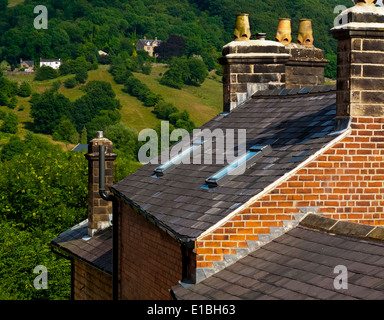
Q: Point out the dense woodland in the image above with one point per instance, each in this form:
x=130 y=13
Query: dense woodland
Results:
x=43 y=189
x=79 y=28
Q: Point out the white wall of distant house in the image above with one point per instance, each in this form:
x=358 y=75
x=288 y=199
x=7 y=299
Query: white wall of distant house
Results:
x=54 y=64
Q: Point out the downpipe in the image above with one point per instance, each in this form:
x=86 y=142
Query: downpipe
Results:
x=115 y=212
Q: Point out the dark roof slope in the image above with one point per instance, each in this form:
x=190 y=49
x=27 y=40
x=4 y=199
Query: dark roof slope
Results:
x=96 y=251
x=300 y=265
x=296 y=123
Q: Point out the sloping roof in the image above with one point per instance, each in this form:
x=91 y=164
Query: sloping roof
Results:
x=51 y=60
x=96 y=251
x=81 y=147
x=28 y=62
x=301 y=265
x=295 y=123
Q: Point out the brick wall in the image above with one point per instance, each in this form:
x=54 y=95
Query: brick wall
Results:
x=90 y=283
x=345 y=182
x=150 y=259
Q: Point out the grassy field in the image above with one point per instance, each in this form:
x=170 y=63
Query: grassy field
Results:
x=202 y=103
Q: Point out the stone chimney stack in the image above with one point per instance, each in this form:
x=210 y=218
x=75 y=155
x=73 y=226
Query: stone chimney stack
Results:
x=250 y=65
x=254 y=65
x=99 y=210
x=360 y=58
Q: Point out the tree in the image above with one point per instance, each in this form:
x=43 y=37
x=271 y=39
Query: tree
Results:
x=66 y=132
x=3 y=5
x=13 y=147
x=48 y=109
x=173 y=47
x=197 y=71
x=45 y=73
x=12 y=103
x=124 y=138
x=83 y=136
x=71 y=83
x=25 y=89
x=10 y=123
x=81 y=75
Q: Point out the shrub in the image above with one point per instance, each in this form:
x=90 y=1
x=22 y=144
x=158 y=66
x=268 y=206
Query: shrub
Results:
x=10 y=123
x=66 y=132
x=70 y=83
x=25 y=89
x=12 y=103
x=81 y=75
x=45 y=73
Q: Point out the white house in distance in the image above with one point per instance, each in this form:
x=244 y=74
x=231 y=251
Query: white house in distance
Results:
x=53 y=63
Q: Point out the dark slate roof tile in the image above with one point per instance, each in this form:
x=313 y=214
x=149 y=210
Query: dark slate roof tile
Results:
x=290 y=123
x=300 y=265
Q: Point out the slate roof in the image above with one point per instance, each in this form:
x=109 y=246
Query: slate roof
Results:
x=96 y=251
x=296 y=123
x=300 y=265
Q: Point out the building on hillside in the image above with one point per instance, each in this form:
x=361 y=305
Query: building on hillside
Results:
x=27 y=65
x=309 y=149
x=148 y=45
x=53 y=63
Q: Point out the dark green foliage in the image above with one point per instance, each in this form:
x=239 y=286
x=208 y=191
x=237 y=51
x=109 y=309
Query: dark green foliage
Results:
x=43 y=185
x=25 y=89
x=20 y=252
x=173 y=47
x=12 y=103
x=103 y=120
x=2 y=114
x=13 y=147
x=163 y=110
x=48 y=109
x=99 y=96
x=10 y=123
x=141 y=91
x=124 y=139
x=70 y=83
x=81 y=75
x=66 y=132
x=182 y=71
x=45 y=73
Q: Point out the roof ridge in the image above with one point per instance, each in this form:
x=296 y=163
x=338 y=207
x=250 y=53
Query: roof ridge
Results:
x=342 y=227
x=283 y=92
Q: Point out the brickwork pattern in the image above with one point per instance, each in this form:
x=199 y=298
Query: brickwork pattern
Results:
x=345 y=182
x=150 y=259
x=90 y=283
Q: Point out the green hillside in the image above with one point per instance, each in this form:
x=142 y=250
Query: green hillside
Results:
x=202 y=102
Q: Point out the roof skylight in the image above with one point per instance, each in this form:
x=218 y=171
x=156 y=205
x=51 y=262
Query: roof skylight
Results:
x=159 y=171
x=238 y=166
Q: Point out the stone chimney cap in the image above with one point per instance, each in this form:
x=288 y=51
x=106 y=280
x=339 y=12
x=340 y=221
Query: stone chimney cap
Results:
x=100 y=134
x=361 y=17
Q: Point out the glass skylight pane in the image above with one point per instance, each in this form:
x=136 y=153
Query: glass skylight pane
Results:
x=177 y=159
x=254 y=153
x=231 y=167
